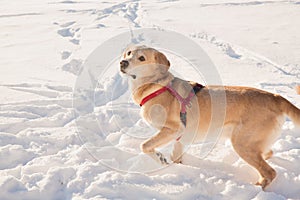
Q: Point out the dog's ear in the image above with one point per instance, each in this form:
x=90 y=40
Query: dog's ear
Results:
x=162 y=59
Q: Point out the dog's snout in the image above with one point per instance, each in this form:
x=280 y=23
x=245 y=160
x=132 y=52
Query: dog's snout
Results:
x=124 y=64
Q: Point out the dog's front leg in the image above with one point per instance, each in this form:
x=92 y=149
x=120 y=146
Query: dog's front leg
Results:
x=159 y=157
x=164 y=136
x=176 y=156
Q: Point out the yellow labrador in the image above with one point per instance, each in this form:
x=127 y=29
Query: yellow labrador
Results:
x=253 y=117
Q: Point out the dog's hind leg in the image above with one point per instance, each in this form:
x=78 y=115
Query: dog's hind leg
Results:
x=251 y=153
x=164 y=136
x=268 y=155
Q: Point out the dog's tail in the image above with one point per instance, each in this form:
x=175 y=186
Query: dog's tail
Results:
x=290 y=110
x=298 y=89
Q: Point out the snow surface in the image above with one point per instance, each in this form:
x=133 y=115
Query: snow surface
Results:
x=43 y=45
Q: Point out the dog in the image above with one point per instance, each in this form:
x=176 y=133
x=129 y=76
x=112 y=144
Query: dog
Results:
x=181 y=113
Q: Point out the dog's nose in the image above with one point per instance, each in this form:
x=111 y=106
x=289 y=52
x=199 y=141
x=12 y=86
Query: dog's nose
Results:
x=124 y=64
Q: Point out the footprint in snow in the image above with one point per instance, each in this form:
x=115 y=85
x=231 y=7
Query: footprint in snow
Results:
x=73 y=66
x=67 y=32
x=65 y=55
x=75 y=41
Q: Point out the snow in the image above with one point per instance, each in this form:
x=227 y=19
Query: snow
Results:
x=49 y=152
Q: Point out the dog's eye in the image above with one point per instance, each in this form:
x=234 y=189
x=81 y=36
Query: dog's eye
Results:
x=142 y=58
x=128 y=53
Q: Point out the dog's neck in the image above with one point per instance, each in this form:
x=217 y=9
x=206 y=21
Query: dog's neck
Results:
x=141 y=87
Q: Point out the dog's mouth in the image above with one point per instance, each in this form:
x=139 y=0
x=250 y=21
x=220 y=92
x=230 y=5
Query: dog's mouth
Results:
x=131 y=75
x=123 y=71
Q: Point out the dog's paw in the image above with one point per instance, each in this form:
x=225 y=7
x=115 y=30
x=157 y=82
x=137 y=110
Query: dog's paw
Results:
x=177 y=160
x=264 y=182
x=161 y=158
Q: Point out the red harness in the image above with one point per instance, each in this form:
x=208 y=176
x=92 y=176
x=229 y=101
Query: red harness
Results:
x=152 y=95
x=183 y=101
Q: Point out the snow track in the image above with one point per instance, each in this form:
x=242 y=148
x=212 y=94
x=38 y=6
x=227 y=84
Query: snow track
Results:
x=44 y=45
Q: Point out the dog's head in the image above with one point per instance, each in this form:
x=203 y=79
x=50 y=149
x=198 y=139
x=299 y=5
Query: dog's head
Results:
x=142 y=61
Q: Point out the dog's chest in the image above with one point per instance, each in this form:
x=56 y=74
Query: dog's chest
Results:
x=155 y=115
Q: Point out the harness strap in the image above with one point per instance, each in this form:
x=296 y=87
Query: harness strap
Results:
x=183 y=101
x=152 y=95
